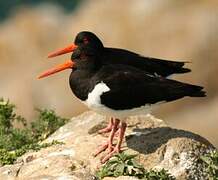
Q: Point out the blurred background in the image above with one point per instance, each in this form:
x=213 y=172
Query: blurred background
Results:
x=174 y=30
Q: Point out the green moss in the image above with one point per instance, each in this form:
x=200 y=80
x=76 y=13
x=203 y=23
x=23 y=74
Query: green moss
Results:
x=210 y=163
x=125 y=165
x=14 y=142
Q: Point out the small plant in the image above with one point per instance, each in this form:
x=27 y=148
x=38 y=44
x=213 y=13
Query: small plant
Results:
x=158 y=175
x=47 y=123
x=121 y=164
x=8 y=157
x=14 y=142
x=7 y=115
x=210 y=162
x=125 y=165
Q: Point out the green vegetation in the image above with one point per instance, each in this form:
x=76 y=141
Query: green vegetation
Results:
x=47 y=123
x=125 y=165
x=210 y=162
x=14 y=142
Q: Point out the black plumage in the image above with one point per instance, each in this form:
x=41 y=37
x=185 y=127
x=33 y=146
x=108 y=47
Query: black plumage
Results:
x=131 y=78
x=119 y=83
x=132 y=88
x=151 y=65
x=108 y=56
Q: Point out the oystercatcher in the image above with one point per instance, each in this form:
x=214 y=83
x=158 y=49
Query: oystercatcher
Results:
x=152 y=66
x=119 y=83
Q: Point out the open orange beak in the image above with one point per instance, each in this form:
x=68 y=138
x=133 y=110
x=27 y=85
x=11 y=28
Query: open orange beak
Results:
x=65 y=50
x=67 y=65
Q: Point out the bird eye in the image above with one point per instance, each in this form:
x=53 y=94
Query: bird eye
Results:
x=85 y=40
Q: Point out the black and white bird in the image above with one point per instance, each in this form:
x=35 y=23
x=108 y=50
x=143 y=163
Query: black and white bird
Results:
x=119 y=83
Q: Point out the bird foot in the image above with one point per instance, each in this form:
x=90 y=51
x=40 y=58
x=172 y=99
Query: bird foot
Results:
x=110 y=154
x=106 y=146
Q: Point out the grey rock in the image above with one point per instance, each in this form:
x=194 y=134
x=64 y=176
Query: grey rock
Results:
x=158 y=146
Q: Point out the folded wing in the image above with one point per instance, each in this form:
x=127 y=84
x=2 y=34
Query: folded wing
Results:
x=153 y=66
x=132 y=88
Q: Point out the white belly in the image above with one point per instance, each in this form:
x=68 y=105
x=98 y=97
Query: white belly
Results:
x=122 y=114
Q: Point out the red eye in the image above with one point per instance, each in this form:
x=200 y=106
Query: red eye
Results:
x=85 y=40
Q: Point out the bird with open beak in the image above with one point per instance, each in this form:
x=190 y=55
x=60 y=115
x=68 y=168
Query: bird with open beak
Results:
x=119 y=83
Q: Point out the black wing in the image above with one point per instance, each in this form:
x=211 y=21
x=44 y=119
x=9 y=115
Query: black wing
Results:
x=131 y=88
x=153 y=66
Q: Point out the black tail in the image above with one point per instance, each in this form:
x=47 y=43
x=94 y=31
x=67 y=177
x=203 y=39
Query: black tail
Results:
x=182 y=70
x=195 y=91
x=166 y=68
x=176 y=67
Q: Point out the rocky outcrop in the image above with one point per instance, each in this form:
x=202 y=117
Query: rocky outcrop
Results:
x=169 y=29
x=158 y=146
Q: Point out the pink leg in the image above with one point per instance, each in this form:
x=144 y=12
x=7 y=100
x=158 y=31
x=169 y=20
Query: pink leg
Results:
x=108 y=128
x=117 y=149
x=109 y=144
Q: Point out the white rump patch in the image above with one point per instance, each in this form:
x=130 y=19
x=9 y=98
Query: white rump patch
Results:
x=94 y=100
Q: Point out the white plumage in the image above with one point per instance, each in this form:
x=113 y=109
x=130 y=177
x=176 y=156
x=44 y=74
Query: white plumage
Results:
x=94 y=100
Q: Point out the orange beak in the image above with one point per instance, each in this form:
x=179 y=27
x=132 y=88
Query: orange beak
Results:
x=67 y=65
x=65 y=50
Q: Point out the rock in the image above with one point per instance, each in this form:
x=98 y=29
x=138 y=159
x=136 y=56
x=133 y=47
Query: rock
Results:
x=158 y=146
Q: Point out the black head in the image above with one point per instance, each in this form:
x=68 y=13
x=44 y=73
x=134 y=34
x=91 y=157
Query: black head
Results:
x=88 y=44
x=86 y=49
x=86 y=38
